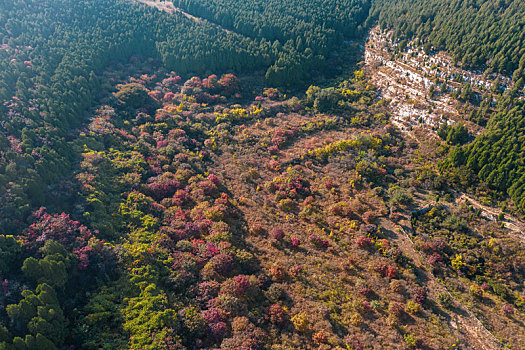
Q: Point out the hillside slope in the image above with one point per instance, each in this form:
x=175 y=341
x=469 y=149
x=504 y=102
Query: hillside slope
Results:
x=168 y=181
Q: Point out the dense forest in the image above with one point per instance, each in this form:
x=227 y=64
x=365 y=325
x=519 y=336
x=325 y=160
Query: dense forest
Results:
x=496 y=156
x=50 y=59
x=487 y=36
x=478 y=33
x=303 y=33
x=168 y=180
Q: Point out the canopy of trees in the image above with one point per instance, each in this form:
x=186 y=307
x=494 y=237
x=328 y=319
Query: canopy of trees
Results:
x=50 y=56
x=496 y=156
x=302 y=34
x=478 y=33
x=52 y=52
x=146 y=204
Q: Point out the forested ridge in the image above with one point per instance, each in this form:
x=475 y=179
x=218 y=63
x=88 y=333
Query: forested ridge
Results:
x=51 y=54
x=51 y=57
x=496 y=156
x=487 y=36
x=478 y=33
x=171 y=182
x=303 y=33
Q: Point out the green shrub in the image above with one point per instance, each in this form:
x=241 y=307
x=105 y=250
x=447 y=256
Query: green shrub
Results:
x=444 y=300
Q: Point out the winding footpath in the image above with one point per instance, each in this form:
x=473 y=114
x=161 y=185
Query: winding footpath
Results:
x=463 y=321
x=491 y=213
x=169 y=7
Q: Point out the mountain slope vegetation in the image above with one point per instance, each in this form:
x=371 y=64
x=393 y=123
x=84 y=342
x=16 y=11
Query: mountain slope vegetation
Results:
x=487 y=36
x=478 y=34
x=50 y=60
x=204 y=178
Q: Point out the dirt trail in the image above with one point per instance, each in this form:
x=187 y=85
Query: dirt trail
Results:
x=461 y=319
x=491 y=213
x=169 y=7
x=406 y=81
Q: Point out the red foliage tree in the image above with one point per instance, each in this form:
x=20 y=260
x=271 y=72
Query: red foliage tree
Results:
x=276 y=314
x=277 y=233
x=57 y=227
x=295 y=242
x=318 y=241
x=74 y=236
x=229 y=84
x=364 y=242
x=420 y=295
